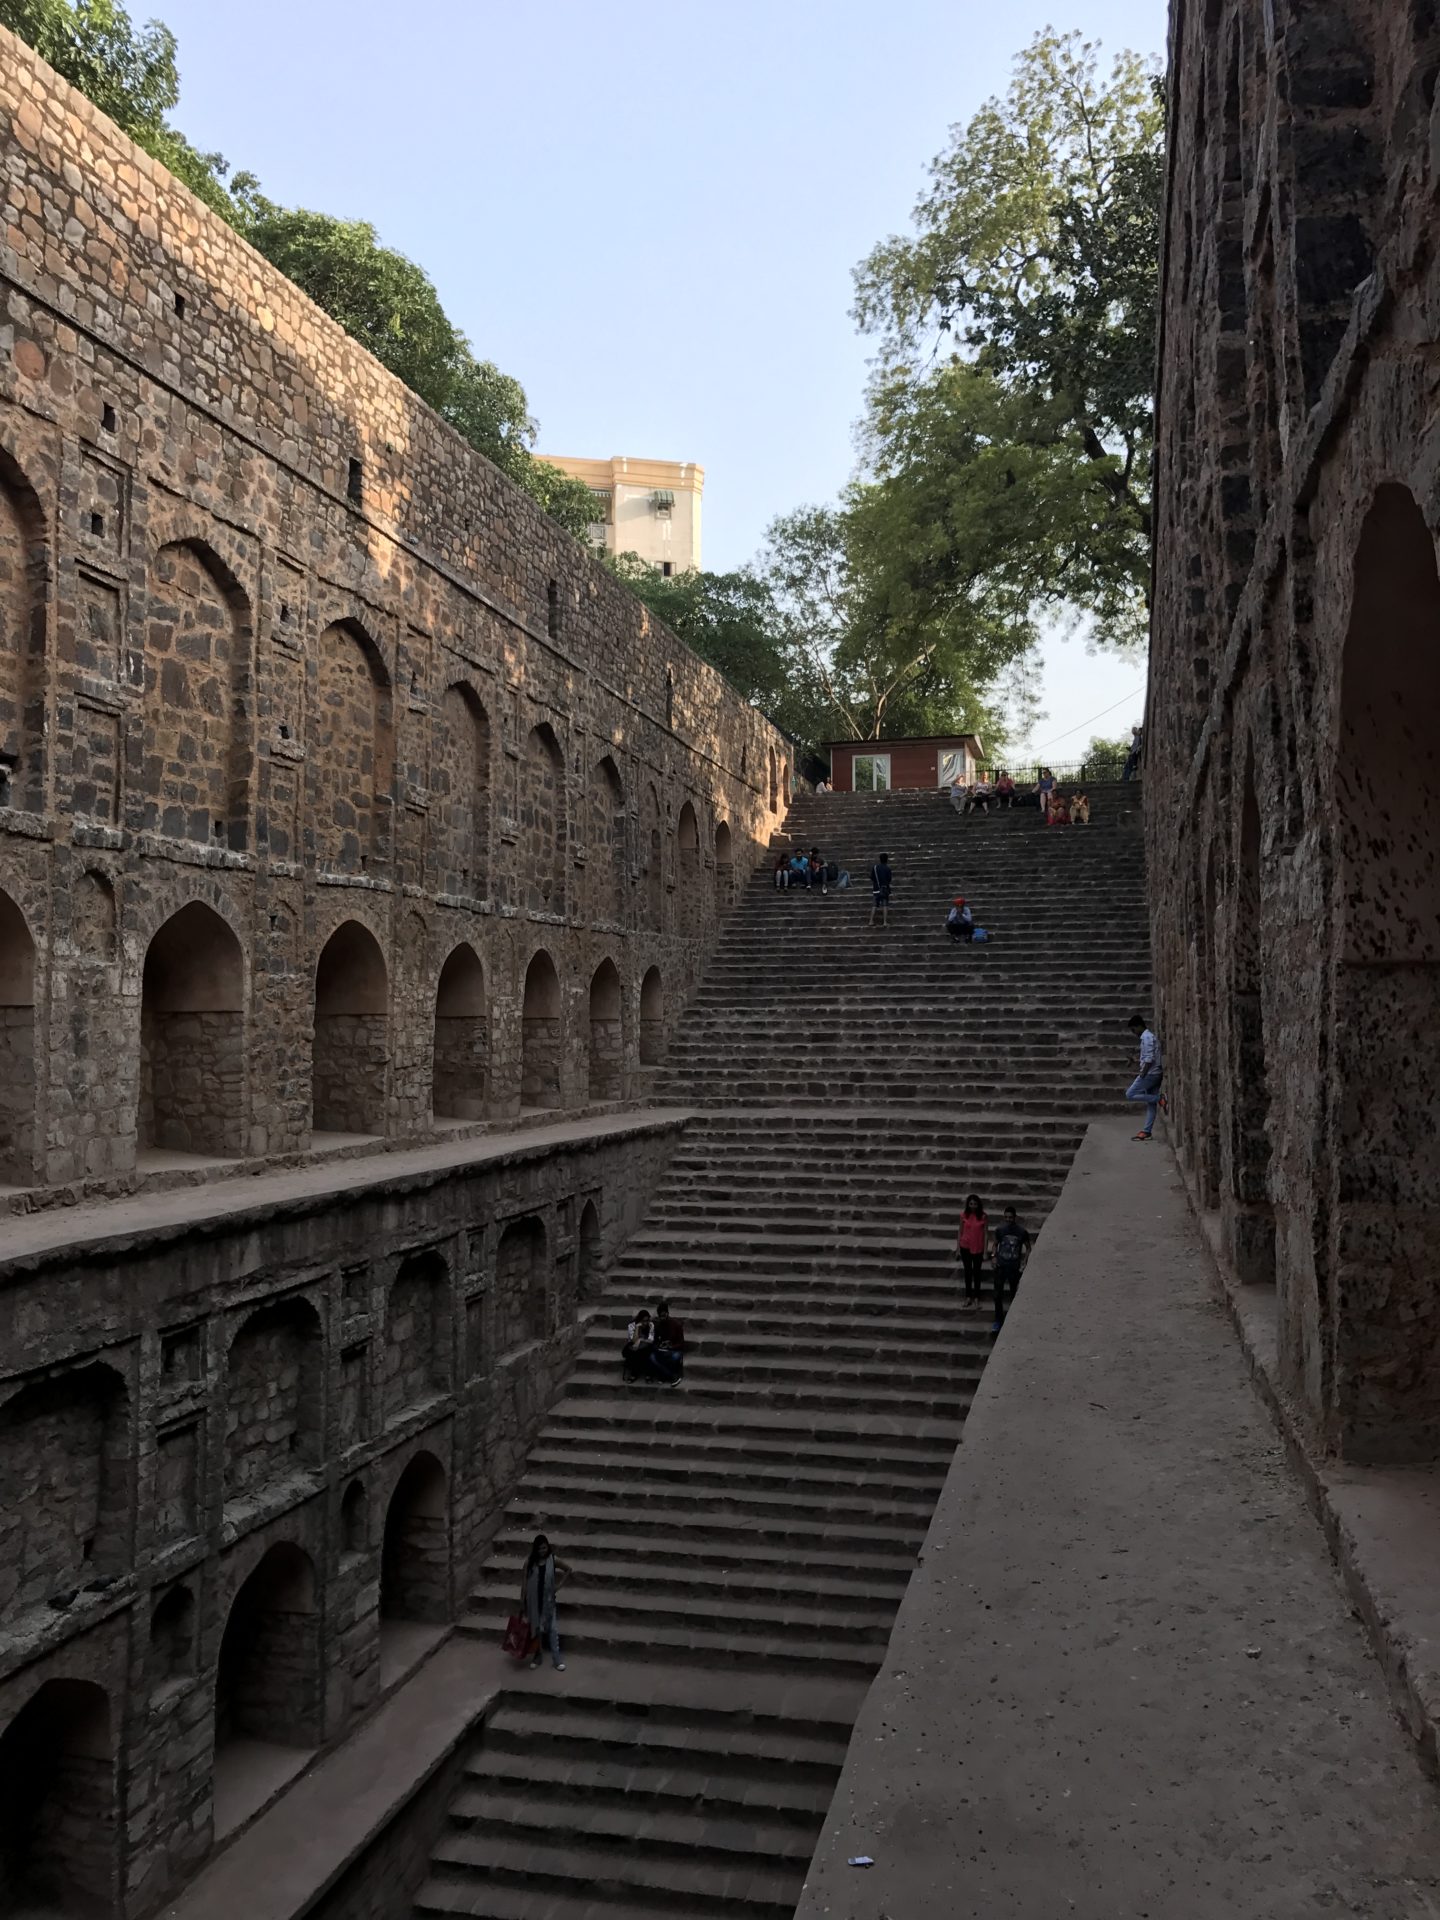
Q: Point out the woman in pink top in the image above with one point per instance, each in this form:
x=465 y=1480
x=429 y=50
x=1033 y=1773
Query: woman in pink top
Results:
x=971 y=1243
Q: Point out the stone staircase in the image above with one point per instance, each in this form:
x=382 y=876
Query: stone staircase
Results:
x=740 y=1544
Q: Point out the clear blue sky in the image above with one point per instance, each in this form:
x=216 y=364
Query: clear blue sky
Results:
x=649 y=214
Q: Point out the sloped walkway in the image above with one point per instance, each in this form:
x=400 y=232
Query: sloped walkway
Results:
x=1125 y=1680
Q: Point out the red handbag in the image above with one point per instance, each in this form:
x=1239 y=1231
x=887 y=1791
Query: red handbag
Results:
x=517 y=1637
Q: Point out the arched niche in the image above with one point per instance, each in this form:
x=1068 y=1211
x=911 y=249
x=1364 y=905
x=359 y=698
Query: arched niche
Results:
x=415 y=1559
x=17 y=1047
x=63 y=1529
x=653 y=855
x=268 y=1689
x=59 y=1818
x=196 y=748
x=273 y=1386
x=461 y=1057
x=460 y=793
x=1384 y=1257
x=592 y=1252
x=24 y=587
x=416 y=1351
x=351 y=1057
x=606 y=1054
x=605 y=854
x=542 y=1035
x=652 y=1019
x=192 y=1037
x=541 y=849
x=724 y=866
x=521 y=1313
x=352 y=755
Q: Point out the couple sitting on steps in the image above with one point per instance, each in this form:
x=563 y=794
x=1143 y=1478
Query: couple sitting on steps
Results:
x=654 y=1349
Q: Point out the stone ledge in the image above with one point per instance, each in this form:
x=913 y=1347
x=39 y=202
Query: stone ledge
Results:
x=1380 y=1522
x=1124 y=1679
x=282 y=1863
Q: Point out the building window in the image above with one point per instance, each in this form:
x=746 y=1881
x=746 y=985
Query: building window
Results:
x=663 y=501
x=667 y=567
x=355 y=483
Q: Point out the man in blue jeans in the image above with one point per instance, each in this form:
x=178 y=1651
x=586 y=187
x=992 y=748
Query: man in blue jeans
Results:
x=1146 y=1085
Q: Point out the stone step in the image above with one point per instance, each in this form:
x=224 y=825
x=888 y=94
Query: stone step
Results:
x=786 y=1643
x=826 y=1531
x=678 y=1419
x=740 y=1556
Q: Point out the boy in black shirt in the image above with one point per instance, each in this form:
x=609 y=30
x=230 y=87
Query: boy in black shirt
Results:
x=1009 y=1249
x=881 y=875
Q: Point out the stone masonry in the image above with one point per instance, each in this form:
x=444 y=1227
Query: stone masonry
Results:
x=1293 y=746
x=279 y=653
x=348 y=810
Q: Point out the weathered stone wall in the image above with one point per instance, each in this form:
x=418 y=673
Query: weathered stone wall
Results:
x=305 y=1423
x=274 y=641
x=1293 y=748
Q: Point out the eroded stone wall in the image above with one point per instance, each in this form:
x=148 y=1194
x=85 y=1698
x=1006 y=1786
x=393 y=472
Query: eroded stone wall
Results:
x=1293 y=742
x=274 y=640
x=307 y=1420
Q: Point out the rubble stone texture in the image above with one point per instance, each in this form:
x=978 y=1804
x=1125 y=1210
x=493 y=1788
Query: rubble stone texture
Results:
x=341 y=794
x=1293 y=747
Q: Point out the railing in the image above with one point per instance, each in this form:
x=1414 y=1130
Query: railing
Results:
x=1068 y=773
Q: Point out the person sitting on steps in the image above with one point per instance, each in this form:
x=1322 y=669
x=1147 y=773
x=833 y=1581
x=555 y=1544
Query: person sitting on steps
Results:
x=1059 y=814
x=638 y=1352
x=782 y=872
x=1080 y=810
x=981 y=794
x=669 y=1341
x=1044 y=787
x=960 y=921
x=818 y=871
x=1005 y=792
x=799 y=870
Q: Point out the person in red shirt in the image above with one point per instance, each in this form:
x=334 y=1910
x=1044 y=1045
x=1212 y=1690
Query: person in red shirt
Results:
x=970 y=1243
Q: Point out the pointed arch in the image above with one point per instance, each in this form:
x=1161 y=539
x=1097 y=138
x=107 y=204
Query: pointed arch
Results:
x=652 y=1019
x=542 y=1034
x=352 y=752
x=460 y=793
x=415 y=1557
x=654 y=862
x=59 y=1817
x=24 y=592
x=605 y=865
x=592 y=1252
x=606 y=1059
x=17 y=1046
x=196 y=747
x=350 y=1059
x=192 y=1037
x=724 y=866
x=461 y=1055
x=542 y=850
x=267 y=1678
x=1383 y=1304
x=692 y=905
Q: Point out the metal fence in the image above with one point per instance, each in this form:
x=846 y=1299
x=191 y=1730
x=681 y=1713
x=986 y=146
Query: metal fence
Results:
x=1068 y=773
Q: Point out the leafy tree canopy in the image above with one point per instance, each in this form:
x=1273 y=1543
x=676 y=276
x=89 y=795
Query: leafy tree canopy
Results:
x=1035 y=263
x=382 y=299
x=733 y=621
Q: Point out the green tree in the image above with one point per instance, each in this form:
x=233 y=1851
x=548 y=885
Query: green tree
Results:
x=1105 y=759
x=881 y=667
x=130 y=74
x=732 y=620
x=1035 y=260
x=382 y=299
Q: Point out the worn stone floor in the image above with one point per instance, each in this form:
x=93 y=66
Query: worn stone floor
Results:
x=1125 y=1681
x=180 y=1207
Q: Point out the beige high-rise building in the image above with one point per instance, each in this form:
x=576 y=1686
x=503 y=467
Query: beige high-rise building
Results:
x=649 y=507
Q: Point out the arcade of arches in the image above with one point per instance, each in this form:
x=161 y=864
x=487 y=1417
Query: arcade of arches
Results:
x=334 y=819
x=1292 y=772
